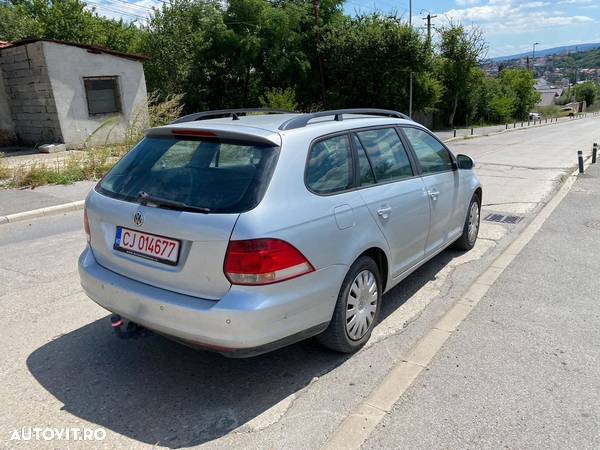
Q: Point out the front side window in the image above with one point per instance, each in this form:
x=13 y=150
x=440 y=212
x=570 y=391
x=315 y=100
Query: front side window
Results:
x=329 y=167
x=102 y=95
x=386 y=153
x=432 y=155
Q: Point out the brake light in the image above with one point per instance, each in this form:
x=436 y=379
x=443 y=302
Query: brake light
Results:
x=263 y=261
x=86 y=225
x=196 y=133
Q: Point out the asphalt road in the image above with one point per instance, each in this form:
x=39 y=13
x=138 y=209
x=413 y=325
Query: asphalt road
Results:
x=523 y=369
x=18 y=200
x=62 y=367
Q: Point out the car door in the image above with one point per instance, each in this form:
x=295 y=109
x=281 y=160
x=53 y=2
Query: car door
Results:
x=395 y=196
x=441 y=179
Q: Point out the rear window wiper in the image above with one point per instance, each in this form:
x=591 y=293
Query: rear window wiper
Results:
x=147 y=199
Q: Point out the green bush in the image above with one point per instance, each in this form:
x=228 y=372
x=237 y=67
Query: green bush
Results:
x=587 y=91
x=279 y=99
x=502 y=108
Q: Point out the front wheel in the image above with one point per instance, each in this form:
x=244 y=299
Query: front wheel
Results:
x=357 y=308
x=471 y=228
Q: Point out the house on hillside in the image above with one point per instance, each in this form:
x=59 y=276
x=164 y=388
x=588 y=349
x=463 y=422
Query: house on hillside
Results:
x=548 y=93
x=61 y=92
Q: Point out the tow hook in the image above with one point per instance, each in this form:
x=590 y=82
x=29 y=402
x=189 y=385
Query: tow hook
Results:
x=125 y=329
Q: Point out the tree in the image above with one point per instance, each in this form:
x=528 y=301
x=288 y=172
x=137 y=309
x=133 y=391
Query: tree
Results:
x=587 y=91
x=230 y=55
x=368 y=61
x=460 y=51
x=65 y=20
x=521 y=82
x=494 y=101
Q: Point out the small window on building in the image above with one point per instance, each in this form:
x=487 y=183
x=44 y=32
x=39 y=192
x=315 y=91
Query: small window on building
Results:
x=102 y=95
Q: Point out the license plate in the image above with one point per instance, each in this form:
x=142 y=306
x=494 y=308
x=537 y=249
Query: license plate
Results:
x=148 y=246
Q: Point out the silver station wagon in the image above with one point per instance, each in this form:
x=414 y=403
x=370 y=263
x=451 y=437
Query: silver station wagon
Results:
x=241 y=231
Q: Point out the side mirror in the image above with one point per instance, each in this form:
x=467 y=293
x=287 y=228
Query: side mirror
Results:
x=465 y=162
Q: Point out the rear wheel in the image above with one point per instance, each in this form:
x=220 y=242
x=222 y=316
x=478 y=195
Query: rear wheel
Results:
x=357 y=308
x=471 y=228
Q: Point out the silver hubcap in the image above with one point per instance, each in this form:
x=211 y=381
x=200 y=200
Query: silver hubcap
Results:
x=473 y=222
x=361 y=305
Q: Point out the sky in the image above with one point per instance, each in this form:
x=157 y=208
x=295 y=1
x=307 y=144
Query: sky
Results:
x=510 y=26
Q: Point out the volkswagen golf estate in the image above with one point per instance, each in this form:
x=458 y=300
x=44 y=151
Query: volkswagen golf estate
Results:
x=241 y=231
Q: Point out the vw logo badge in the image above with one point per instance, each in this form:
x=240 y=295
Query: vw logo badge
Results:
x=138 y=218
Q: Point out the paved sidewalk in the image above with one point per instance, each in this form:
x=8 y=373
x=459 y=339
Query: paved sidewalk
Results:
x=19 y=200
x=493 y=129
x=523 y=371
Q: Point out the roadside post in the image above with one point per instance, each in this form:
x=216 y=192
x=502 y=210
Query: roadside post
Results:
x=594 y=152
x=454 y=132
x=471 y=131
x=580 y=160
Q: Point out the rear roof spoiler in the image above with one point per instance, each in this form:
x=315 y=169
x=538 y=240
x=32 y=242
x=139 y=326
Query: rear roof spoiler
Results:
x=218 y=131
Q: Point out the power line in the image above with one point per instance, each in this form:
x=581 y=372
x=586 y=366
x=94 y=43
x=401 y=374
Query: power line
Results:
x=135 y=5
x=116 y=10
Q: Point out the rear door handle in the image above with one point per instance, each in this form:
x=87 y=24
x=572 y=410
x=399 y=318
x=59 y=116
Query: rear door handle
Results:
x=434 y=194
x=384 y=212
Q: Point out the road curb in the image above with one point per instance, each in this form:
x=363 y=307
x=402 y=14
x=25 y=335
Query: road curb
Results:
x=358 y=426
x=42 y=212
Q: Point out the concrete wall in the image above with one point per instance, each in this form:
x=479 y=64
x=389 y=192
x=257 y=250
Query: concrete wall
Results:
x=67 y=66
x=7 y=126
x=29 y=94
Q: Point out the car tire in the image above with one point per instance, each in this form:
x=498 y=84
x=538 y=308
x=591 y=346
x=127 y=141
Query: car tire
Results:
x=357 y=308
x=471 y=228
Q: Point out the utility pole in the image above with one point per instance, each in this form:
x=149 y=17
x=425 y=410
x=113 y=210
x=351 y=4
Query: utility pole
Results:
x=533 y=58
x=428 y=19
x=316 y=7
x=410 y=87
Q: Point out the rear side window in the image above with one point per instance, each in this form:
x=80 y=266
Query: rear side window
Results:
x=365 y=173
x=221 y=176
x=432 y=155
x=329 y=167
x=386 y=153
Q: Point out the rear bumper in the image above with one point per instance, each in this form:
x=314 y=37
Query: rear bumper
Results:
x=248 y=320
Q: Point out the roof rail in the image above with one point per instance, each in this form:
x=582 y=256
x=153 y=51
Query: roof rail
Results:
x=303 y=119
x=234 y=113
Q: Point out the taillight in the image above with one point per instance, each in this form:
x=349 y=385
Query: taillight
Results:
x=86 y=225
x=263 y=261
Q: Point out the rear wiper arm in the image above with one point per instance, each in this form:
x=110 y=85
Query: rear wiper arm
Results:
x=146 y=199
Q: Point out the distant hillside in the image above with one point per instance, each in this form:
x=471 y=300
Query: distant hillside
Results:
x=549 y=51
x=582 y=60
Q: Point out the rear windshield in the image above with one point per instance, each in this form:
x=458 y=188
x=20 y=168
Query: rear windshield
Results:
x=215 y=175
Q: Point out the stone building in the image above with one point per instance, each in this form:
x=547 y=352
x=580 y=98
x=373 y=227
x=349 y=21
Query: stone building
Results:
x=60 y=92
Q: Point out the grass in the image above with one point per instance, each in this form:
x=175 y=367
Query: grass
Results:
x=5 y=172
x=91 y=165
